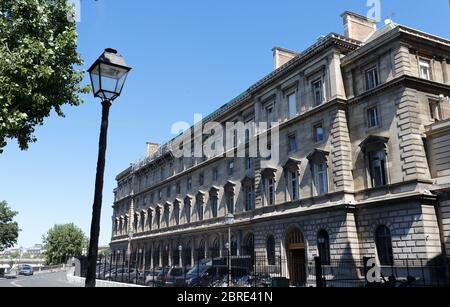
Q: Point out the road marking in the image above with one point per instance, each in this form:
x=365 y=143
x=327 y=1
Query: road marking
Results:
x=14 y=283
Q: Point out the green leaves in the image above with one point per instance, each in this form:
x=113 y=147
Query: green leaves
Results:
x=61 y=242
x=38 y=66
x=9 y=230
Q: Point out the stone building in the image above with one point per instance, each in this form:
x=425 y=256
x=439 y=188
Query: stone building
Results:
x=364 y=167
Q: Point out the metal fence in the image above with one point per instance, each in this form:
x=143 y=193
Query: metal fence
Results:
x=259 y=270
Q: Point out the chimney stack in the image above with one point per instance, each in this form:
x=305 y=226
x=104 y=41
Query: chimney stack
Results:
x=281 y=56
x=151 y=149
x=358 y=27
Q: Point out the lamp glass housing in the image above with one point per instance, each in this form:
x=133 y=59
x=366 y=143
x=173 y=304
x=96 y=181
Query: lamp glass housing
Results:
x=108 y=75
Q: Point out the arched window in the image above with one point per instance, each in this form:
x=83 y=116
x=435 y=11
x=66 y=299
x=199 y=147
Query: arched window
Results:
x=270 y=250
x=249 y=248
x=215 y=250
x=156 y=255
x=176 y=255
x=323 y=245
x=187 y=251
x=201 y=251
x=383 y=241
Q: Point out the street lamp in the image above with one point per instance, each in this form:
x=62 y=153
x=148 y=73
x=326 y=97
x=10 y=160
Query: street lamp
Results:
x=130 y=238
x=229 y=220
x=180 y=255
x=108 y=75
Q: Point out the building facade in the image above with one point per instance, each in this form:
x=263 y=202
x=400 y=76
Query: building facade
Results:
x=363 y=170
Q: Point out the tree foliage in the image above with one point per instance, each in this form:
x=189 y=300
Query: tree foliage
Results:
x=61 y=242
x=38 y=65
x=9 y=230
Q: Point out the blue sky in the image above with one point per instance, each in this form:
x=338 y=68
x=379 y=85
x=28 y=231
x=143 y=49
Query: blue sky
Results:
x=187 y=57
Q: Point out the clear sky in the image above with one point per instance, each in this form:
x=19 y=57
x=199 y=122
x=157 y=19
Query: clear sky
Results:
x=187 y=57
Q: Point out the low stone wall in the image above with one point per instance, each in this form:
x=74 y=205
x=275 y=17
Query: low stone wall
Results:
x=99 y=284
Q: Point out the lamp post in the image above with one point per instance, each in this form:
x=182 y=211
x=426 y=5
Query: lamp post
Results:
x=108 y=75
x=229 y=220
x=130 y=238
x=180 y=255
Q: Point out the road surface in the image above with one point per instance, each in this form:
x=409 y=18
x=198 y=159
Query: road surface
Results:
x=39 y=280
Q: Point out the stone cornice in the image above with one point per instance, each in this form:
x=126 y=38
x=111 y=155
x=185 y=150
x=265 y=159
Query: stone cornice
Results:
x=406 y=81
x=400 y=32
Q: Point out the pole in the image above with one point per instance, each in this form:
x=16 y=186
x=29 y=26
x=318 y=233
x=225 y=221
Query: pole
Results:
x=98 y=195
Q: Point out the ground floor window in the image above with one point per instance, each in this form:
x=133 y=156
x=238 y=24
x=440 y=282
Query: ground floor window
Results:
x=323 y=245
x=383 y=241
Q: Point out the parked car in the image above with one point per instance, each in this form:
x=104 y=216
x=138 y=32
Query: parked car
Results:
x=167 y=276
x=148 y=277
x=26 y=270
x=198 y=276
x=120 y=274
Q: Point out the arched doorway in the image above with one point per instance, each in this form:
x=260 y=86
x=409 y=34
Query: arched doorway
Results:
x=296 y=257
x=249 y=248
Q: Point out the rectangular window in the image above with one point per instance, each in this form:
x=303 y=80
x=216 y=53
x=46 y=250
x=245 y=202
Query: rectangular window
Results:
x=200 y=211
x=318 y=92
x=293 y=178
x=292 y=105
x=176 y=213
x=168 y=191
x=201 y=179
x=321 y=179
x=249 y=163
x=318 y=133
x=162 y=174
x=435 y=110
x=230 y=201
x=215 y=174
x=371 y=78
x=373 y=117
x=214 y=206
x=230 y=168
x=425 y=71
x=181 y=164
x=187 y=212
x=378 y=168
x=152 y=197
x=249 y=198
x=178 y=188
x=160 y=193
x=250 y=128
x=189 y=184
x=292 y=143
x=271 y=192
x=269 y=116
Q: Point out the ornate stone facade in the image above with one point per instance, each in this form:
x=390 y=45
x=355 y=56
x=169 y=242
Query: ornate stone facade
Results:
x=372 y=131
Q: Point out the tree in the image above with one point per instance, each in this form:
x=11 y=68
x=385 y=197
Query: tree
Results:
x=38 y=66
x=61 y=242
x=9 y=230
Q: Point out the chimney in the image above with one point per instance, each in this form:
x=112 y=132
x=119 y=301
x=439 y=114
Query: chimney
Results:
x=151 y=149
x=281 y=56
x=358 y=27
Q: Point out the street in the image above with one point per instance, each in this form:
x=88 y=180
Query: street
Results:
x=57 y=279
